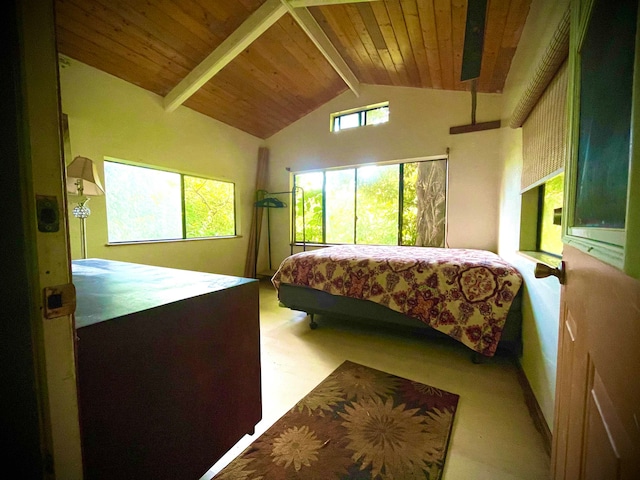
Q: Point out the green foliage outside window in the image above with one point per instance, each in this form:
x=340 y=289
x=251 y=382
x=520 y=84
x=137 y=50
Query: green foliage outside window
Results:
x=373 y=205
x=550 y=233
x=340 y=206
x=142 y=203
x=377 y=205
x=208 y=207
x=311 y=227
x=146 y=204
x=410 y=204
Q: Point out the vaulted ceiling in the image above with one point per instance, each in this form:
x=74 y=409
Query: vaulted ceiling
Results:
x=260 y=65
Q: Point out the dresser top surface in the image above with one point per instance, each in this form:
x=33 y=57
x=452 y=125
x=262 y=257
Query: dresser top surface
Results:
x=108 y=289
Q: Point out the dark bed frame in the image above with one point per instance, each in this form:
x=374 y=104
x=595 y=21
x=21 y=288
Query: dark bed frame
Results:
x=316 y=302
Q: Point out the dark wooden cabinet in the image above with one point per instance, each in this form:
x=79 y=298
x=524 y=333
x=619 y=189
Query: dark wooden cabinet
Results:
x=168 y=368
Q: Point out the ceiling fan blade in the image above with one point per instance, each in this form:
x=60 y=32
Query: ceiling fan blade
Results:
x=473 y=39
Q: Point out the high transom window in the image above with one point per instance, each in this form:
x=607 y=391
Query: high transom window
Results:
x=391 y=204
x=147 y=204
x=371 y=115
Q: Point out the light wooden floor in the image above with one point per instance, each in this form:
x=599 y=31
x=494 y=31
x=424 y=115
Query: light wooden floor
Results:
x=493 y=436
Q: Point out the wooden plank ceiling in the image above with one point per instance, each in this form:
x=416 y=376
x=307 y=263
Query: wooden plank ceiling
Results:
x=262 y=85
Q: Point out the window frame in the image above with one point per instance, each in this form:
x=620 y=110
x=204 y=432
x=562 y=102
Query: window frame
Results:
x=400 y=193
x=542 y=192
x=531 y=216
x=335 y=117
x=183 y=204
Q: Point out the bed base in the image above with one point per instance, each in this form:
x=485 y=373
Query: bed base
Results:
x=316 y=302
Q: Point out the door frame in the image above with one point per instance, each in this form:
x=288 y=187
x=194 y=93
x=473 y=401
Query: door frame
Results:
x=42 y=409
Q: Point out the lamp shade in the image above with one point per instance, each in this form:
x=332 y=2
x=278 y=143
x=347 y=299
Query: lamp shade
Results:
x=82 y=168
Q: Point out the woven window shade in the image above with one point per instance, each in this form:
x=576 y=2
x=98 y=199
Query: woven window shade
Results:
x=555 y=55
x=544 y=133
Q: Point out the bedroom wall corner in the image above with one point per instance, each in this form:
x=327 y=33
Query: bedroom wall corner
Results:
x=541 y=305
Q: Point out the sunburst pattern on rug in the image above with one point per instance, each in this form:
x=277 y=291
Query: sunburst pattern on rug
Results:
x=358 y=423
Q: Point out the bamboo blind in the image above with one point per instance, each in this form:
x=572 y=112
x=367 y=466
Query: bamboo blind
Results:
x=554 y=56
x=544 y=133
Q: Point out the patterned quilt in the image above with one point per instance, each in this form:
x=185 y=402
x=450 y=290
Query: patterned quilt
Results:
x=464 y=293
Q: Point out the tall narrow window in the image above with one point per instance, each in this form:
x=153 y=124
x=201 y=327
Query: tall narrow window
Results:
x=312 y=184
x=340 y=206
x=550 y=216
x=377 y=205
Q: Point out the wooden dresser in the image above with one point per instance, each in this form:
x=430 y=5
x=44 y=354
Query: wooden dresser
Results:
x=168 y=368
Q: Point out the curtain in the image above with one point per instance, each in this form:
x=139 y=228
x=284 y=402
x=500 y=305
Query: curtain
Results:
x=431 y=190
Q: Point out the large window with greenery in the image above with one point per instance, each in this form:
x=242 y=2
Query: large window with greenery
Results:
x=147 y=204
x=392 y=204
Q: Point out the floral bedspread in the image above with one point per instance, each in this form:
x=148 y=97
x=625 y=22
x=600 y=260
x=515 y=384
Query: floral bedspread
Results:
x=463 y=293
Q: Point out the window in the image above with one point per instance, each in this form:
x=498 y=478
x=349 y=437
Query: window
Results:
x=393 y=204
x=550 y=216
x=541 y=219
x=146 y=204
x=357 y=118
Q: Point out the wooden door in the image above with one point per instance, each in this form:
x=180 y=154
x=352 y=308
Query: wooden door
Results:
x=597 y=416
x=597 y=419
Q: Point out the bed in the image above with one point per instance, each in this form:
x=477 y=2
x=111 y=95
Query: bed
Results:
x=472 y=296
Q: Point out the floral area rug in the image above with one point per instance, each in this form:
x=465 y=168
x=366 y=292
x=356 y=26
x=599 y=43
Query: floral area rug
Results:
x=358 y=423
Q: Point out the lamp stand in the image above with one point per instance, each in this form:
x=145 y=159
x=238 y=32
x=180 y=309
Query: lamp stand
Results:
x=81 y=211
x=83 y=237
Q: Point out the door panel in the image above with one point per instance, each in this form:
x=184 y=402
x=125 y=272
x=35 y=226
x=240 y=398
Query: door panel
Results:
x=596 y=430
x=572 y=394
x=602 y=459
x=566 y=353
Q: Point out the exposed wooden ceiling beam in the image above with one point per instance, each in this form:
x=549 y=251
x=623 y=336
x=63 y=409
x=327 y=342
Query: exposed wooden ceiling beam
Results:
x=315 y=3
x=258 y=22
x=310 y=26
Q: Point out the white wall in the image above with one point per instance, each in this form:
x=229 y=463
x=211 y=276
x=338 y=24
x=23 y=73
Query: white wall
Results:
x=484 y=175
x=541 y=305
x=418 y=126
x=112 y=118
